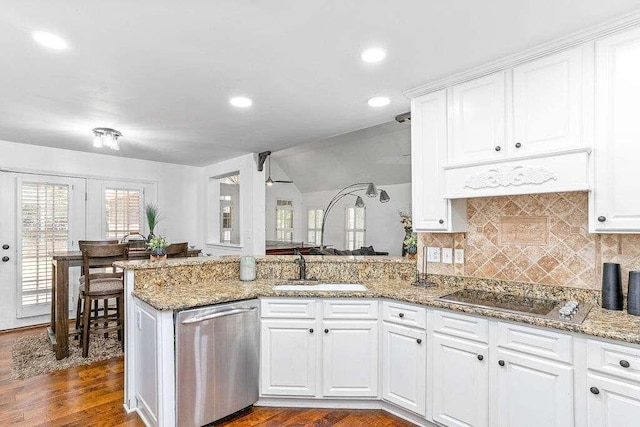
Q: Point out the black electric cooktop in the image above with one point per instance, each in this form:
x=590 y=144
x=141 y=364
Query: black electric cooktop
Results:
x=540 y=307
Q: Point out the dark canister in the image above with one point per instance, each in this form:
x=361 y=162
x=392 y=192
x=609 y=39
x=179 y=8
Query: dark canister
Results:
x=611 y=286
x=633 y=294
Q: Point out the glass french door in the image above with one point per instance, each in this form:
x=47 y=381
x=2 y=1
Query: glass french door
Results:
x=41 y=215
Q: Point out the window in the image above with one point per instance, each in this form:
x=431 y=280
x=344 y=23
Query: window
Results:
x=354 y=232
x=123 y=209
x=229 y=211
x=284 y=220
x=45 y=229
x=314 y=226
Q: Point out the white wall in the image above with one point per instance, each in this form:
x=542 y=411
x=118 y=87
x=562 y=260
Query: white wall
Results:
x=177 y=186
x=284 y=191
x=383 y=229
x=252 y=206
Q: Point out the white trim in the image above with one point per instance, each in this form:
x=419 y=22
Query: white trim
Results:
x=72 y=175
x=514 y=158
x=595 y=32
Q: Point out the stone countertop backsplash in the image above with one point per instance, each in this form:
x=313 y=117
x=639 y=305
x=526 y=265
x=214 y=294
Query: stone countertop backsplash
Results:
x=178 y=285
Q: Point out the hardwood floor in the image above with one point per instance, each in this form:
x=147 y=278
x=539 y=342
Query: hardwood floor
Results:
x=82 y=396
x=93 y=395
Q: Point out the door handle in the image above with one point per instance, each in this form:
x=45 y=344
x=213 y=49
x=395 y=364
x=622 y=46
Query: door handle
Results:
x=5 y=246
x=5 y=258
x=219 y=314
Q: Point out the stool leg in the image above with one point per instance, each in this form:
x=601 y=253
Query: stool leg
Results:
x=85 y=327
x=105 y=303
x=121 y=309
x=78 y=314
x=96 y=309
x=119 y=321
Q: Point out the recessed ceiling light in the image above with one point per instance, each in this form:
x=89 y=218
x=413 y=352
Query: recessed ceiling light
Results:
x=49 y=40
x=241 y=101
x=379 y=101
x=373 y=55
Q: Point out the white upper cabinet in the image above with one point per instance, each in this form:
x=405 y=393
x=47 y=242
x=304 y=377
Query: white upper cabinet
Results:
x=616 y=205
x=477 y=120
x=431 y=212
x=547 y=104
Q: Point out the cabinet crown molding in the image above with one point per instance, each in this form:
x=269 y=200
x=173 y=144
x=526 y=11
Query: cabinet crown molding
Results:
x=595 y=32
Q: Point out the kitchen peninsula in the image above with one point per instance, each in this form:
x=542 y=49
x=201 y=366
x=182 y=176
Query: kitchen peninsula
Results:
x=393 y=346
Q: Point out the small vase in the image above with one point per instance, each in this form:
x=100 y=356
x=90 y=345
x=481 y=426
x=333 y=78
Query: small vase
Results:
x=633 y=294
x=412 y=252
x=150 y=236
x=158 y=254
x=611 y=286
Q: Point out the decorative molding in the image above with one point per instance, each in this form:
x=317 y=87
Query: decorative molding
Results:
x=539 y=155
x=572 y=40
x=507 y=176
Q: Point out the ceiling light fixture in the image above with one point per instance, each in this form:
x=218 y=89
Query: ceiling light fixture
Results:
x=241 y=102
x=373 y=55
x=49 y=40
x=379 y=101
x=106 y=137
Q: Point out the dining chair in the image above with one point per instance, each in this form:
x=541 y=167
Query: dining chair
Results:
x=102 y=286
x=177 y=250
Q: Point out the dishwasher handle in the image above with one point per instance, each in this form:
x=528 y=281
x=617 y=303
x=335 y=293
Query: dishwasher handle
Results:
x=218 y=314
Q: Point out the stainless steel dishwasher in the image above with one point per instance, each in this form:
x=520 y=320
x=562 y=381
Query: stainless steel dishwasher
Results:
x=217 y=350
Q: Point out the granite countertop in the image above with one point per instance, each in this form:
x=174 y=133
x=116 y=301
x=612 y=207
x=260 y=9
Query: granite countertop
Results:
x=285 y=259
x=616 y=325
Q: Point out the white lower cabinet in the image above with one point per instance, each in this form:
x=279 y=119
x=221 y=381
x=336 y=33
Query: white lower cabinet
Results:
x=460 y=381
x=612 y=402
x=404 y=363
x=532 y=391
x=350 y=358
x=288 y=357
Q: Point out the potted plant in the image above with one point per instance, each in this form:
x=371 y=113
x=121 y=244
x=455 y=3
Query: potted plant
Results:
x=411 y=246
x=153 y=218
x=158 y=245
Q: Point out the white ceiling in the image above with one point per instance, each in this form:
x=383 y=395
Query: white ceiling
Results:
x=162 y=71
x=379 y=154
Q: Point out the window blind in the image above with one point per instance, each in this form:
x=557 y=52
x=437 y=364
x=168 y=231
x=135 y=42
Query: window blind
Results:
x=123 y=212
x=45 y=229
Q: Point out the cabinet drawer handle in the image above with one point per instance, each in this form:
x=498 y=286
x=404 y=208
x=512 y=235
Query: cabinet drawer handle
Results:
x=480 y=357
x=5 y=258
x=602 y=218
x=441 y=221
x=518 y=145
x=419 y=341
x=594 y=390
x=326 y=331
x=624 y=364
x=400 y=315
x=501 y=362
x=498 y=148
x=5 y=246
x=311 y=330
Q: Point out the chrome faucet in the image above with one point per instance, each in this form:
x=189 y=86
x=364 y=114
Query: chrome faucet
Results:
x=302 y=264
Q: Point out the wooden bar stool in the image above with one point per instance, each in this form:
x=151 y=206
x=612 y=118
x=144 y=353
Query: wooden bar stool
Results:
x=177 y=250
x=96 y=307
x=102 y=286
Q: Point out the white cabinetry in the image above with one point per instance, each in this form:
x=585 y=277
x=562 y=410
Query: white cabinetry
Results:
x=350 y=358
x=532 y=391
x=547 y=104
x=308 y=355
x=612 y=402
x=477 y=120
x=404 y=362
x=616 y=205
x=431 y=212
x=460 y=381
x=288 y=357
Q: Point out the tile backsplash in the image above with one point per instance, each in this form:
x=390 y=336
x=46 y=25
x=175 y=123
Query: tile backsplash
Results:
x=538 y=238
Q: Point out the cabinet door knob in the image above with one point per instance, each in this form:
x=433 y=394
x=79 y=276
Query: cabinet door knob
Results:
x=401 y=315
x=498 y=148
x=594 y=390
x=624 y=364
x=5 y=258
x=602 y=218
x=518 y=145
x=441 y=221
x=326 y=331
x=501 y=362
x=480 y=357
x=311 y=330
x=419 y=341
x=5 y=246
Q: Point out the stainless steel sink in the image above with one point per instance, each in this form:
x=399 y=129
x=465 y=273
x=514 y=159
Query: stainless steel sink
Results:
x=322 y=287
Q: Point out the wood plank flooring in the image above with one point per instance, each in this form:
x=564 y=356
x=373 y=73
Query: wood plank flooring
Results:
x=93 y=395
